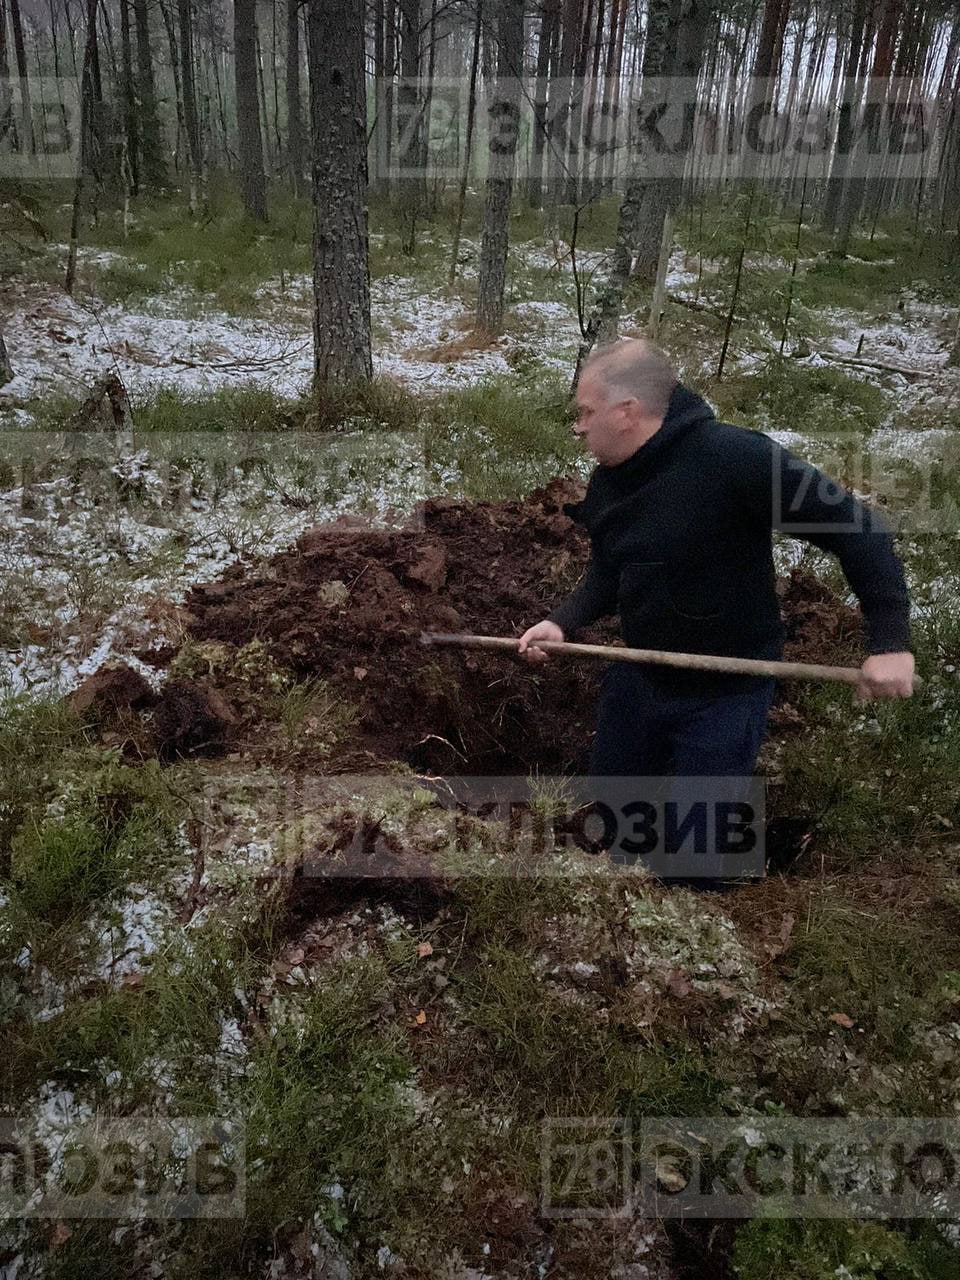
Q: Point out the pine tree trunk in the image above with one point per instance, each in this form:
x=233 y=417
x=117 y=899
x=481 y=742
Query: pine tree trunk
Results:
x=6 y=372
x=389 y=92
x=410 y=110
x=6 y=97
x=836 y=184
x=504 y=123
x=190 y=117
x=468 y=143
x=294 y=109
x=130 y=114
x=26 y=108
x=178 y=162
x=682 y=56
x=86 y=135
x=154 y=165
x=253 y=187
x=338 y=121
x=558 y=156
x=548 y=30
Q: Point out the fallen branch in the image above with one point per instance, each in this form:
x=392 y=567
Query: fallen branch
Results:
x=858 y=362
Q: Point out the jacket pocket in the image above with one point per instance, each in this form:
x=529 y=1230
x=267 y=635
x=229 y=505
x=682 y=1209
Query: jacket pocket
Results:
x=698 y=592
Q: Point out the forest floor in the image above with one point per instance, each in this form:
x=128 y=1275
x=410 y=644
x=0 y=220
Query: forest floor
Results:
x=218 y=718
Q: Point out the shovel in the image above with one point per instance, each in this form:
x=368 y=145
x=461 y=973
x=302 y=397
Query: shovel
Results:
x=688 y=661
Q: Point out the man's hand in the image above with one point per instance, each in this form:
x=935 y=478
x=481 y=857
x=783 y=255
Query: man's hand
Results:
x=885 y=675
x=539 y=631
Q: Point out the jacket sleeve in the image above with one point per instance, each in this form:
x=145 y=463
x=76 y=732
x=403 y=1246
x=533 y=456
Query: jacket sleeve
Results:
x=801 y=501
x=594 y=597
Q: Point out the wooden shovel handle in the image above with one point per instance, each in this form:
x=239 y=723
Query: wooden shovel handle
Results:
x=689 y=661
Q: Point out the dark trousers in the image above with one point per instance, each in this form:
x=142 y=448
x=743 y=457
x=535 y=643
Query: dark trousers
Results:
x=646 y=729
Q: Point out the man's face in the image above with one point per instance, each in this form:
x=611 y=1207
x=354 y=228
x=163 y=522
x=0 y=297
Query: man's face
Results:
x=603 y=420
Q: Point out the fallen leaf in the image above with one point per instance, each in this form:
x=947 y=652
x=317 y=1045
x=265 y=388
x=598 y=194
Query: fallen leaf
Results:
x=777 y=947
x=295 y=956
x=420 y=1019
x=842 y=1019
x=677 y=983
x=359 y=672
x=424 y=949
x=132 y=980
x=670 y=1177
x=60 y=1235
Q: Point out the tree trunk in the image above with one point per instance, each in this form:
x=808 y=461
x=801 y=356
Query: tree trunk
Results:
x=381 y=142
x=558 y=156
x=130 y=114
x=410 y=155
x=468 y=143
x=504 y=124
x=154 y=165
x=294 y=109
x=836 y=184
x=178 y=162
x=338 y=121
x=389 y=93
x=253 y=187
x=882 y=66
x=26 y=117
x=7 y=125
x=6 y=372
x=548 y=30
x=86 y=133
x=190 y=117
x=682 y=56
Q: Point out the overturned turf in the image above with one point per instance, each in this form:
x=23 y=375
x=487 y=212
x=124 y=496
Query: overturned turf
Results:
x=347 y=603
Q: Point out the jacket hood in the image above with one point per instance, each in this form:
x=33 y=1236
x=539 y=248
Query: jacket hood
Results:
x=685 y=411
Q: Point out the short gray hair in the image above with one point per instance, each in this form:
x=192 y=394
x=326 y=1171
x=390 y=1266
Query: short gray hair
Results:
x=637 y=367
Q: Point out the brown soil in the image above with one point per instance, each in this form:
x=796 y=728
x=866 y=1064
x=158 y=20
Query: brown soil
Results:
x=348 y=603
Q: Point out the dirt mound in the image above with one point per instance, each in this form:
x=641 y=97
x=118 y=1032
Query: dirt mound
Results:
x=347 y=604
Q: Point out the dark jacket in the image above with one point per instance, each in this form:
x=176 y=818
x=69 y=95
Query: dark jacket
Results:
x=681 y=545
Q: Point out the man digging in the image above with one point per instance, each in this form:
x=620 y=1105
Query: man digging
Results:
x=680 y=511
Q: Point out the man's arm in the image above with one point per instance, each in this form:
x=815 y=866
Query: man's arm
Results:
x=803 y=502
x=594 y=596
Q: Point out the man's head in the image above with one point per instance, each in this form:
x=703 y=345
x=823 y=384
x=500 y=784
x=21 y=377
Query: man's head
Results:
x=622 y=396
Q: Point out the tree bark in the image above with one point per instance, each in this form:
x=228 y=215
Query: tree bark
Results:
x=130 y=114
x=682 y=56
x=253 y=186
x=545 y=48
x=294 y=108
x=6 y=372
x=468 y=143
x=190 y=117
x=338 y=121
x=6 y=97
x=154 y=165
x=504 y=122
x=86 y=135
x=26 y=117
x=410 y=152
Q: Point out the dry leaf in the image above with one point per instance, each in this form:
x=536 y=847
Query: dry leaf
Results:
x=295 y=956
x=61 y=1234
x=359 y=672
x=420 y=1019
x=842 y=1019
x=677 y=983
x=132 y=980
x=777 y=948
x=425 y=949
